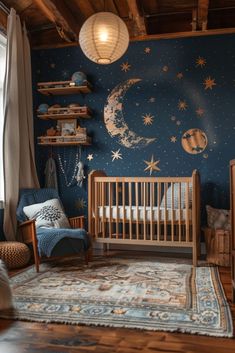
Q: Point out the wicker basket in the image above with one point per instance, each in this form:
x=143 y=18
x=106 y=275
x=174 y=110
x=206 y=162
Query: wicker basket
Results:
x=217 y=246
x=14 y=254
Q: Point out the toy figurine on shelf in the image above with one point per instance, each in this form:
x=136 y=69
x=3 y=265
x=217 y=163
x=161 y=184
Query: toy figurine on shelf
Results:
x=51 y=131
x=58 y=130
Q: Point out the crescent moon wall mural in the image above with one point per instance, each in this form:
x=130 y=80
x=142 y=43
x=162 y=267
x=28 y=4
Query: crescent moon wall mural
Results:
x=114 y=120
x=145 y=109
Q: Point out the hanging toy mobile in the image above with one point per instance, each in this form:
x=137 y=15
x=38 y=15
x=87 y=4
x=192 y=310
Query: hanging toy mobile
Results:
x=80 y=174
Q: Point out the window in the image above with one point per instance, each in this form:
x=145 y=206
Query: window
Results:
x=2 y=73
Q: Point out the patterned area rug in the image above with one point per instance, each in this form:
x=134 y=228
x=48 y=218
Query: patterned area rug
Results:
x=163 y=294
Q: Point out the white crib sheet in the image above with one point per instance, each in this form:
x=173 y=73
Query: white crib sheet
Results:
x=174 y=214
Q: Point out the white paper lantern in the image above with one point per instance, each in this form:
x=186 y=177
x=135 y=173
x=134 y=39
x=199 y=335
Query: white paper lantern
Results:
x=104 y=38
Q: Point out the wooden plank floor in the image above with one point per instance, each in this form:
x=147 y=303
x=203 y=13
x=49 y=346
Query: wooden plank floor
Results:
x=27 y=337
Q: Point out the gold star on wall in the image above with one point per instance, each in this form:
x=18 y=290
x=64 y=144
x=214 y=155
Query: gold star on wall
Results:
x=147 y=50
x=147 y=119
x=180 y=75
x=90 y=157
x=173 y=139
x=200 y=111
x=200 y=62
x=152 y=165
x=165 y=68
x=205 y=155
x=80 y=204
x=125 y=66
x=209 y=83
x=182 y=105
x=116 y=155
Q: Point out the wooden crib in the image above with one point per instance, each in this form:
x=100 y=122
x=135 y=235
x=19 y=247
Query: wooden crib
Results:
x=162 y=211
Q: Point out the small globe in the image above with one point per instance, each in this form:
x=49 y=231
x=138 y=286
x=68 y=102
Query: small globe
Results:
x=79 y=78
x=43 y=108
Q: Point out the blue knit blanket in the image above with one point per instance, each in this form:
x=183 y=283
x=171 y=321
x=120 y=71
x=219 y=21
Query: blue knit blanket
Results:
x=49 y=237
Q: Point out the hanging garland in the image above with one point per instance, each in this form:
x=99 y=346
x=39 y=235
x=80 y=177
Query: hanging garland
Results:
x=66 y=167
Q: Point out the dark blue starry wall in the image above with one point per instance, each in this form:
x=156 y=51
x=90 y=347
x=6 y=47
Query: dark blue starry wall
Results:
x=186 y=86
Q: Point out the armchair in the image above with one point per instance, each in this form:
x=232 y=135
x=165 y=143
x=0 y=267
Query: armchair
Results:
x=50 y=242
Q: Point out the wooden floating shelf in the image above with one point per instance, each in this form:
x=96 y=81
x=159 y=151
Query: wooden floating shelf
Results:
x=62 y=88
x=62 y=141
x=66 y=113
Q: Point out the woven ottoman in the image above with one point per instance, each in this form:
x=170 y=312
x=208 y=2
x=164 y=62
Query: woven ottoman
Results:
x=14 y=254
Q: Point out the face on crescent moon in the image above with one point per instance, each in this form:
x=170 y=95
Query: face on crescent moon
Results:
x=114 y=120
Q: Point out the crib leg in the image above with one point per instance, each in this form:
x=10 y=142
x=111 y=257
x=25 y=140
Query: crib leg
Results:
x=106 y=247
x=195 y=254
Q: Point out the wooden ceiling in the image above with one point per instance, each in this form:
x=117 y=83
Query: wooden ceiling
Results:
x=54 y=23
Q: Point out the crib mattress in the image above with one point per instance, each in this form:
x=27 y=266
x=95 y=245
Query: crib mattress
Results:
x=130 y=212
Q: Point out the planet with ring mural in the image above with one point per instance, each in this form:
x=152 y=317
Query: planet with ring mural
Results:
x=194 y=141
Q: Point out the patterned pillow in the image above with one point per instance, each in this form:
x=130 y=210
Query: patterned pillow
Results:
x=217 y=218
x=176 y=196
x=48 y=214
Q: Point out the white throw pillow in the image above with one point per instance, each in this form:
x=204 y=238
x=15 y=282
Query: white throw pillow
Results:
x=48 y=214
x=176 y=196
x=218 y=218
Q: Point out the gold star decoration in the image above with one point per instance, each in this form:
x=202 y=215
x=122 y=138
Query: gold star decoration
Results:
x=200 y=111
x=182 y=105
x=81 y=204
x=147 y=50
x=180 y=75
x=147 y=119
x=116 y=155
x=125 y=66
x=200 y=62
x=173 y=139
x=205 y=155
x=90 y=157
x=209 y=83
x=165 y=68
x=152 y=165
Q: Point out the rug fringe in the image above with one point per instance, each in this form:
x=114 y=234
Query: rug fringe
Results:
x=117 y=325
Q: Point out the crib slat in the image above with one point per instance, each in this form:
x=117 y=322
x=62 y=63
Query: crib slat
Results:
x=123 y=211
x=151 y=209
x=187 y=211
x=110 y=210
x=165 y=211
x=172 y=211
x=179 y=207
x=103 y=207
x=137 y=208
x=144 y=190
x=159 y=191
x=117 y=211
x=130 y=207
x=96 y=209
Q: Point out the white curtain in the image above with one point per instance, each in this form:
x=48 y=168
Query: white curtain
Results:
x=18 y=140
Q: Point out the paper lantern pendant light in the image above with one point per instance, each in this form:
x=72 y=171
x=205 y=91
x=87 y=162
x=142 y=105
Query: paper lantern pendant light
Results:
x=104 y=38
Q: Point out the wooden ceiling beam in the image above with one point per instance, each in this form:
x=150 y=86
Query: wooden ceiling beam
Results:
x=57 y=12
x=202 y=14
x=188 y=34
x=137 y=18
x=85 y=7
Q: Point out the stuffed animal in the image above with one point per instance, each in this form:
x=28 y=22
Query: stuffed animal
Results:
x=80 y=174
x=5 y=290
